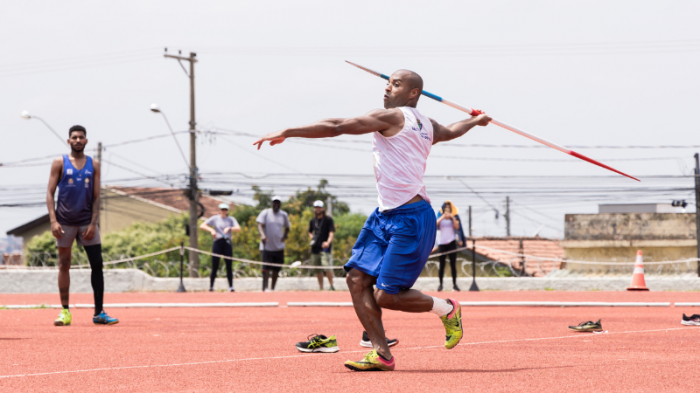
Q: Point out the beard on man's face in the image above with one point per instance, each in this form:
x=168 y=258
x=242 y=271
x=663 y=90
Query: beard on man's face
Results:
x=77 y=148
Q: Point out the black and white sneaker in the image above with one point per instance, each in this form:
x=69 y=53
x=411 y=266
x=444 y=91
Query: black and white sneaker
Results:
x=318 y=343
x=693 y=320
x=368 y=344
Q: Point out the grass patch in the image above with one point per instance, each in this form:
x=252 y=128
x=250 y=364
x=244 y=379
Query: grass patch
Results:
x=39 y=307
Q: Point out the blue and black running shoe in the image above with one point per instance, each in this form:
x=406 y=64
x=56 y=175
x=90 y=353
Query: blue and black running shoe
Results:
x=104 y=319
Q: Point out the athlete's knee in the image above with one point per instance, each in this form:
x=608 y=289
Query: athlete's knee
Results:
x=64 y=260
x=94 y=254
x=386 y=300
x=358 y=281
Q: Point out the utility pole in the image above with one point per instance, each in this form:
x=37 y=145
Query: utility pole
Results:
x=329 y=206
x=697 y=208
x=193 y=193
x=507 y=216
x=470 y=221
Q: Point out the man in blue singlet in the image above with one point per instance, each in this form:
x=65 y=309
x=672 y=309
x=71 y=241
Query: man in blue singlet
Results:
x=75 y=217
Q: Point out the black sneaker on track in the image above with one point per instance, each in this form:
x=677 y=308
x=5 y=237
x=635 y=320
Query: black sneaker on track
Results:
x=368 y=344
x=588 y=326
x=693 y=320
x=318 y=343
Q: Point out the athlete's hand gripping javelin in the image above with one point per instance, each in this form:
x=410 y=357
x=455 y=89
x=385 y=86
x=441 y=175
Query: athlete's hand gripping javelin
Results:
x=403 y=89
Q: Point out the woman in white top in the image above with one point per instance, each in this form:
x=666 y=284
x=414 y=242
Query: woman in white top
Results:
x=221 y=227
x=449 y=225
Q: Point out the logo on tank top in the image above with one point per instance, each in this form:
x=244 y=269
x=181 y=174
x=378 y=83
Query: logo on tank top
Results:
x=87 y=182
x=423 y=134
x=70 y=181
x=69 y=171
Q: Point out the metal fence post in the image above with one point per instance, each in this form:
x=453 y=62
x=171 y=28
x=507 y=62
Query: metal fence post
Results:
x=474 y=287
x=181 y=288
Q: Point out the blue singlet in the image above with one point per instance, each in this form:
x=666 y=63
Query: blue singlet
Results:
x=74 y=205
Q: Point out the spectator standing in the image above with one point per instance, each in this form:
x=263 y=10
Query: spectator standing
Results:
x=321 y=231
x=273 y=225
x=221 y=227
x=450 y=227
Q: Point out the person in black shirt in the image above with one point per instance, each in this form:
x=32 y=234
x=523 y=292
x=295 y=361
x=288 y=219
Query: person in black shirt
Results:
x=321 y=230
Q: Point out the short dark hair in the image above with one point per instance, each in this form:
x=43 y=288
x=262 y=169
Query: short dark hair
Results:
x=76 y=128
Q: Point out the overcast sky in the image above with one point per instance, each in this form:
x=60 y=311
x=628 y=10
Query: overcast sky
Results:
x=578 y=73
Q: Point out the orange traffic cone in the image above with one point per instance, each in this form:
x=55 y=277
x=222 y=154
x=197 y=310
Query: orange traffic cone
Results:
x=638 y=283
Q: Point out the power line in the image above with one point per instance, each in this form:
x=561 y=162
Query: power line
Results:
x=261 y=156
x=74 y=63
x=565 y=49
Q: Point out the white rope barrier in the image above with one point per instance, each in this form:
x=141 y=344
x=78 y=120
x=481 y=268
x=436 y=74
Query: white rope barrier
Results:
x=262 y=263
x=313 y=267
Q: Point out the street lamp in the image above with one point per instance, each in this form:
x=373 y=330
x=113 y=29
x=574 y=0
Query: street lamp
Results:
x=26 y=115
x=156 y=109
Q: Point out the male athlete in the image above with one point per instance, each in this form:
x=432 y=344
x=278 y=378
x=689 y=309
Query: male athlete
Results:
x=75 y=218
x=397 y=238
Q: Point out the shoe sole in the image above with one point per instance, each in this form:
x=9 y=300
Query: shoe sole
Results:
x=368 y=344
x=587 y=330
x=461 y=327
x=690 y=323
x=353 y=368
x=61 y=324
x=102 y=323
x=320 y=349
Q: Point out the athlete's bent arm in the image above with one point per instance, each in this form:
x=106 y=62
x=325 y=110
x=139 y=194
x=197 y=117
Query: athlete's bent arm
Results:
x=92 y=228
x=382 y=120
x=455 y=130
x=54 y=178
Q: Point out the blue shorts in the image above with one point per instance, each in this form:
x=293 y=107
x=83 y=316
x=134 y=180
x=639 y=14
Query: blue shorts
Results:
x=394 y=245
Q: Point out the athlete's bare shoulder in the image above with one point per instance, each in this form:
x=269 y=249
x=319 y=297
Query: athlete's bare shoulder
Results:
x=57 y=163
x=390 y=116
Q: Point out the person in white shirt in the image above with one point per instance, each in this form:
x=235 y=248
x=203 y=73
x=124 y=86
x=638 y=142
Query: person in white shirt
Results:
x=273 y=225
x=450 y=227
x=221 y=227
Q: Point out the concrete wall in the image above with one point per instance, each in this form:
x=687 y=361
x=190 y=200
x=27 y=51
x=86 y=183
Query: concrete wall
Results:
x=629 y=226
x=132 y=280
x=618 y=236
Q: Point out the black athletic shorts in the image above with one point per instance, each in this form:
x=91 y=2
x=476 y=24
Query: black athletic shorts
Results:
x=276 y=257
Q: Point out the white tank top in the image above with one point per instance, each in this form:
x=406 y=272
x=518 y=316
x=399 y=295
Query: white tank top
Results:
x=400 y=160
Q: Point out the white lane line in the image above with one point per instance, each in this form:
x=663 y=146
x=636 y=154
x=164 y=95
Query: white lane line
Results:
x=147 y=305
x=580 y=335
x=565 y=304
x=319 y=304
x=180 y=305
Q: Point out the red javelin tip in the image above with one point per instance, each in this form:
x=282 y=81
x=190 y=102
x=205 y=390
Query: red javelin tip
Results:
x=592 y=161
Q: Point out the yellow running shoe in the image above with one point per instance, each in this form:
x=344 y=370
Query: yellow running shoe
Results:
x=64 y=318
x=372 y=362
x=453 y=325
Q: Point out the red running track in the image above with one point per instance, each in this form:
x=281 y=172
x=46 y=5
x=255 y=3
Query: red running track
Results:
x=252 y=349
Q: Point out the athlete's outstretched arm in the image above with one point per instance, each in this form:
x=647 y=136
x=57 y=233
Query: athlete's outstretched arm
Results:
x=381 y=120
x=54 y=178
x=455 y=130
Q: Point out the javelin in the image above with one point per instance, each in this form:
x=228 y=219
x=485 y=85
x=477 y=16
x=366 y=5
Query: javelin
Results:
x=473 y=112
